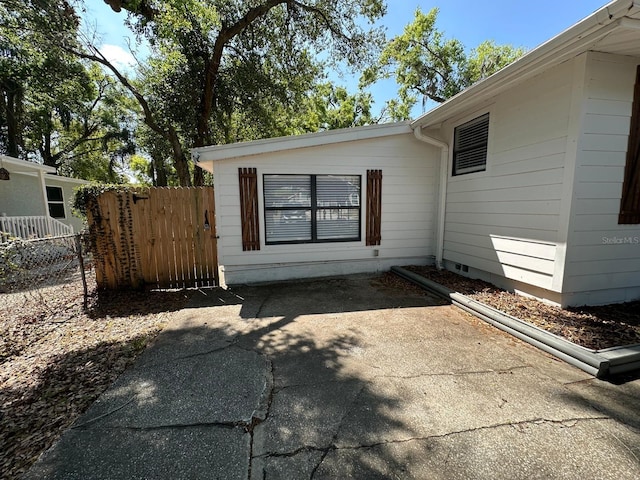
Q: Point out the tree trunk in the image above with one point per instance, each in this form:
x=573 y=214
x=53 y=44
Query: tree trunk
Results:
x=159 y=172
x=179 y=159
x=8 y=99
x=198 y=176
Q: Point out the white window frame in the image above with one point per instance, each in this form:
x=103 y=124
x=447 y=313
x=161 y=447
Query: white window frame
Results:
x=483 y=144
x=56 y=202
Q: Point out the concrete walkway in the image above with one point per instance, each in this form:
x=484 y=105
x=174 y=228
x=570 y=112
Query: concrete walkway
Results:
x=347 y=378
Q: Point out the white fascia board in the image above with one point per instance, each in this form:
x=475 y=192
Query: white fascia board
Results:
x=23 y=166
x=58 y=178
x=573 y=41
x=235 y=150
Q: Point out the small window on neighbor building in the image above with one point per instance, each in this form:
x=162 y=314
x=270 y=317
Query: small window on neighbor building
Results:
x=470 y=146
x=55 y=202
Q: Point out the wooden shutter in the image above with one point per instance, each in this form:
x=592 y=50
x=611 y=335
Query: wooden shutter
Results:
x=630 y=202
x=374 y=206
x=249 y=208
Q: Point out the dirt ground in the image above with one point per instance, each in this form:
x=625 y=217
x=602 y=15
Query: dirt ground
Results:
x=56 y=358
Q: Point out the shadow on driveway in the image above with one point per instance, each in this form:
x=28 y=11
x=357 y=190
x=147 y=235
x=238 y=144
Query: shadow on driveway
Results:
x=347 y=378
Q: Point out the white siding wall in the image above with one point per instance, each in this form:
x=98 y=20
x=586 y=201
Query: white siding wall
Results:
x=21 y=195
x=598 y=268
x=409 y=189
x=504 y=223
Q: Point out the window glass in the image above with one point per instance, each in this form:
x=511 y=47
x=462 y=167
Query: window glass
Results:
x=311 y=208
x=287 y=190
x=335 y=223
x=333 y=190
x=56 y=210
x=288 y=225
x=55 y=202
x=54 y=194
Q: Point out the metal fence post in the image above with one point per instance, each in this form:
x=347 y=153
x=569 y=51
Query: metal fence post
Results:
x=81 y=263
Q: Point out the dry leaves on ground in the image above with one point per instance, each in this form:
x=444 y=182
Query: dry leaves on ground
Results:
x=592 y=327
x=56 y=358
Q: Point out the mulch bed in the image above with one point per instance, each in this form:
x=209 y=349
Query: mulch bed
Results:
x=592 y=327
x=56 y=359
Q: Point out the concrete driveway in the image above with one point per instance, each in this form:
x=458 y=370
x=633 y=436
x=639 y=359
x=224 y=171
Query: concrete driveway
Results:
x=347 y=378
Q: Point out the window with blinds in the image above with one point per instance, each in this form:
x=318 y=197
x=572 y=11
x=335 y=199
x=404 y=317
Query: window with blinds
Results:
x=470 y=146
x=311 y=208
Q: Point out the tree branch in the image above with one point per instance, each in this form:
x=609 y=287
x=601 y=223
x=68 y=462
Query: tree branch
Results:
x=213 y=65
x=325 y=19
x=169 y=133
x=140 y=7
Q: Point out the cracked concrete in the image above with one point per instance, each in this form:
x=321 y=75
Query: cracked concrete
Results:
x=347 y=378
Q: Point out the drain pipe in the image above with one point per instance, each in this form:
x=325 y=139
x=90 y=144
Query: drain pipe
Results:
x=442 y=197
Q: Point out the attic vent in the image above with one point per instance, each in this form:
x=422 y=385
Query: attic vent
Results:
x=470 y=146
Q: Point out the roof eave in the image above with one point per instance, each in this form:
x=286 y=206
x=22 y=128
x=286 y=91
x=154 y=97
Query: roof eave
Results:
x=574 y=40
x=23 y=166
x=243 y=149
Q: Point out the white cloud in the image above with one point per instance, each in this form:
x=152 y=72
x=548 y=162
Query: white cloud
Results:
x=118 y=56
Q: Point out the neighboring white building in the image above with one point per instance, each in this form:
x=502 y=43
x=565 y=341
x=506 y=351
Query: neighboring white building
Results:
x=529 y=179
x=35 y=191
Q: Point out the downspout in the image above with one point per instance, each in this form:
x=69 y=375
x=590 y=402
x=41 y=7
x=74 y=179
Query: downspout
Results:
x=442 y=197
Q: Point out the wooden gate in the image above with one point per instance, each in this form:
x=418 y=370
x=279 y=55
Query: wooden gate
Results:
x=164 y=237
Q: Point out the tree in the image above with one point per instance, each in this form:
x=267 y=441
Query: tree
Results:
x=430 y=67
x=24 y=55
x=486 y=59
x=214 y=56
x=54 y=107
x=331 y=107
x=155 y=167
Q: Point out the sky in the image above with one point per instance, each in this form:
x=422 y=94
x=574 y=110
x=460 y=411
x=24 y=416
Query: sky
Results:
x=519 y=23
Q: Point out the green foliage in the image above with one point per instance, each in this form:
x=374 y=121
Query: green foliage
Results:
x=85 y=195
x=430 y=67
x=54 y=107
x=230 y=70
x=486 y=59
x=329 y=107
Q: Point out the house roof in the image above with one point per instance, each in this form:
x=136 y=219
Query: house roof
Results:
x=242 y=149
x=15 y=165
x=24 y=167
x=614 y=28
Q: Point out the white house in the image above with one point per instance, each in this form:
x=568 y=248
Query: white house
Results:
x=529 y=179
x=34 y=201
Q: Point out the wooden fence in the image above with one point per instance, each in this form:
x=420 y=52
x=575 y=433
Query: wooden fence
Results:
x=164 y=237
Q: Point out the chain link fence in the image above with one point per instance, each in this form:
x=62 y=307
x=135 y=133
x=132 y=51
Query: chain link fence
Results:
x=27 y=265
